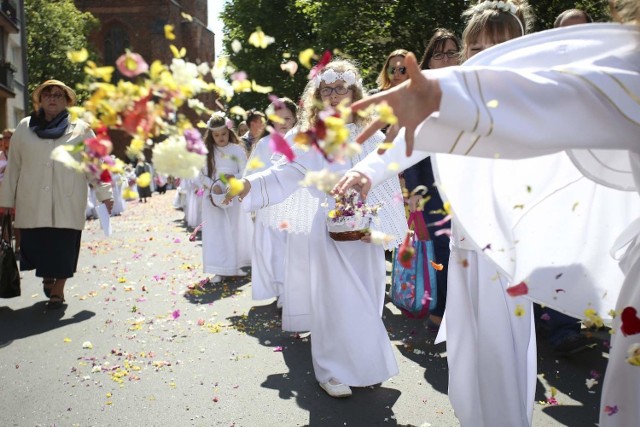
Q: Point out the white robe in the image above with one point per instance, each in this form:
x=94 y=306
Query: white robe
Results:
x=117 y=184
x=227 y=232
x=269 y=243
x=347 y=279
x=572 y=88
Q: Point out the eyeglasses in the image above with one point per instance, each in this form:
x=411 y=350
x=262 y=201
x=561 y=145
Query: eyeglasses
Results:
x=339 y=90
x=55 y=96
x=438 y=56
x=401 y=70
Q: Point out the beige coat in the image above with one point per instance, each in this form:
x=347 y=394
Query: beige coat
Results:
x=44 y=192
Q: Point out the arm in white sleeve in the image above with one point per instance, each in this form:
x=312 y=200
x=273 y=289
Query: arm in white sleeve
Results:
x=377 y=168
x=499 y=112
x=275 y=184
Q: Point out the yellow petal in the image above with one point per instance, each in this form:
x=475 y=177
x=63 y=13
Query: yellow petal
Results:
x=178 y=53
x=493 y=103
x=144 y=180
x=235 y=186
x=255 y=163
x=275 y=118
x=238 y=111
x=78 y=55
x=259 y=39
x=260 y=89
x=187 y=16
x=305 y=57
x=168 y=32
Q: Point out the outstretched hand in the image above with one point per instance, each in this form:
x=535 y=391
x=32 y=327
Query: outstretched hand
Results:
x=353 y=179
x=412 y=102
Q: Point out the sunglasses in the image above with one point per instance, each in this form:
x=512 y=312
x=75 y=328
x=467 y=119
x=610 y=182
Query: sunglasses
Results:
x=401 y=70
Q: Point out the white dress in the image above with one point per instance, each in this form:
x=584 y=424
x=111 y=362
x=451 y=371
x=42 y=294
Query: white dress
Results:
x=347 y=279
x=227 y=232
x=119 y=204
x=269 y=243
x=541 y=106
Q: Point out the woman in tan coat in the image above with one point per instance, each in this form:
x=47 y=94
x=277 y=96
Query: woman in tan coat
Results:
x=49 y=199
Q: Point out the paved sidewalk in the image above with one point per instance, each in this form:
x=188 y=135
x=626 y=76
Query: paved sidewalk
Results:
x=137 y=347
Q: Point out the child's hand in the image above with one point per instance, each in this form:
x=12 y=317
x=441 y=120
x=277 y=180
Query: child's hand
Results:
x=246 y=187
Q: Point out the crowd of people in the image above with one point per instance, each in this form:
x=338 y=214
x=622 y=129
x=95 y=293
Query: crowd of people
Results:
x=253 y=212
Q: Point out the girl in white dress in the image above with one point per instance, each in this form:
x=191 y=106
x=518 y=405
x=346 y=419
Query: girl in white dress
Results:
x=350 y=345
x=227 y=230
x=269 y=242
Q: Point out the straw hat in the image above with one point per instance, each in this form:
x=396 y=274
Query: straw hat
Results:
x=70 y=92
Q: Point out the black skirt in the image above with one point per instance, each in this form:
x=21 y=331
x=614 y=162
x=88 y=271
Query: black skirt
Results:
x=52 y=252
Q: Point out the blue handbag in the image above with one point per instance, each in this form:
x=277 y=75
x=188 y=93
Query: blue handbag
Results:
x=413 y=290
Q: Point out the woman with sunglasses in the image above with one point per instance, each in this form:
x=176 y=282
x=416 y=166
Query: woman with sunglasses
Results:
x=393 y=71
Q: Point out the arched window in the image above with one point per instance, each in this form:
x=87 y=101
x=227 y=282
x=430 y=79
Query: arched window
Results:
x=116 y=41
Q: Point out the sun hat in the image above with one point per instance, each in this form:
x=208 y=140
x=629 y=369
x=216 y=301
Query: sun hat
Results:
x=70 y=92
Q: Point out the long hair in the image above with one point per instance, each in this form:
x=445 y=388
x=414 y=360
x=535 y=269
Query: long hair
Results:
x=495 y=24
x=627 y=11
x=437 y=42
x=383 y=81
x=312 y=102
x=217 y=120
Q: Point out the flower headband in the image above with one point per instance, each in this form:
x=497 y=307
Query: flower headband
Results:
x=217 y=117
x=502 y=6
x=330 y=76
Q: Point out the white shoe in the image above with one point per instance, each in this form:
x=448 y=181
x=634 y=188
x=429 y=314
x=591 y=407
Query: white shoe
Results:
x=215 y=279
x=240 y=273
x=336 y=389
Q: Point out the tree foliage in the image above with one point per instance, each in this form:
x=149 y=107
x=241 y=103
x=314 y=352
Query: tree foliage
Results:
x=363 y=30
x=53 y=28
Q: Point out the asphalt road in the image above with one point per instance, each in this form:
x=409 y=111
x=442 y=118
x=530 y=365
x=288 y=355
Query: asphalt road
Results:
x=137 y=347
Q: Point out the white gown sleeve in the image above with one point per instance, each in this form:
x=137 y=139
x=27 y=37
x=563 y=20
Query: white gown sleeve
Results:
x=380 y=167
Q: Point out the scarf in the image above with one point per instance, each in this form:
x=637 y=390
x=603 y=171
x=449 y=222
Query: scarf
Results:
x=49 y=130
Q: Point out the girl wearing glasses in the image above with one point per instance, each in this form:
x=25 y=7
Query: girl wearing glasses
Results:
x=350 y=346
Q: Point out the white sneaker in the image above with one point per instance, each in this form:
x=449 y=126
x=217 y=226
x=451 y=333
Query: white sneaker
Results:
x=336 y=389
x=240 y=273
x=215 y=279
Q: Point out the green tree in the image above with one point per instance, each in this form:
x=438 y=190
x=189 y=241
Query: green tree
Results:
x=363 y=30
x=53 y=28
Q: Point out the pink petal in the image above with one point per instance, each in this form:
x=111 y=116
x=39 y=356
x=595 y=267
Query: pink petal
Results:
x=518 y=290
x=278 y=144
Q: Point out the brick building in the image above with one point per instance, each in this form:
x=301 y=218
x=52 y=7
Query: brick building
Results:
x=138 y=25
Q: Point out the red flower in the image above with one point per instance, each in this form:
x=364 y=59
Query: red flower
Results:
x=406 y=252
x=629 y=321
x=99 y=146
x=517 y=290
x=105 y=176
x=317 y=69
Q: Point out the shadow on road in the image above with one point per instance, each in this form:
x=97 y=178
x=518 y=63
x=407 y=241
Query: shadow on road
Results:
x=34 y=320
x=369 y=406
x=210 y=292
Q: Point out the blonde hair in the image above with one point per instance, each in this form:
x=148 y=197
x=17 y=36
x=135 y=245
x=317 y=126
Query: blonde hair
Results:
x=383 y=81
x=312 y=102
x=495 y=24
x=626 y=10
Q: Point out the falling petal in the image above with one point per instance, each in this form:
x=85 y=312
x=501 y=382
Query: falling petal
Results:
x=290 y=67
x=305 y=57
x=236 y=46
x=77 y=56
x=518 y=290
x=168 y=32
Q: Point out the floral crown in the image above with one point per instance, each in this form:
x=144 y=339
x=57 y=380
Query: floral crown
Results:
x=503 y=6
x=330 y=76
x=217 y=117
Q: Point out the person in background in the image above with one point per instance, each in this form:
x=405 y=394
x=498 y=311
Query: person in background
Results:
x=227 y=231
x=269 y=243
x=242 y=128
x=572 y=17
x=443 y=50
x=393 y=71
x=256 y=122
x=143 y=167
x=49 y=198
